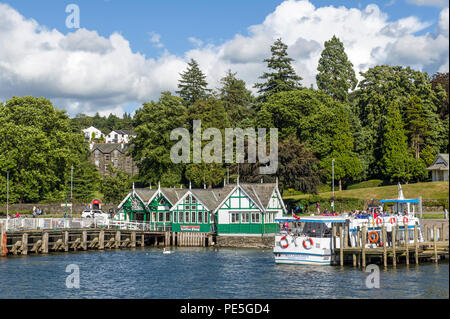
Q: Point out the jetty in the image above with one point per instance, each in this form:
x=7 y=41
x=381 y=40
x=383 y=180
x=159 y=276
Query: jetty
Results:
x=394 y=250
x=25 y=236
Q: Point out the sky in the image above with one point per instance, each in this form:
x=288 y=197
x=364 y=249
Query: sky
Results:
x=125 y=53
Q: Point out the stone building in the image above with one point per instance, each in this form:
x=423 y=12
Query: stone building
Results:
x=439 y=168
x=114 y=154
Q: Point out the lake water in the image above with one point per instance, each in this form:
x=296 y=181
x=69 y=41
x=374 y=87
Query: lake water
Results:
x=203 y=273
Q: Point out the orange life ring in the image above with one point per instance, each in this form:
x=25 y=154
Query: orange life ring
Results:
x=310 y=241
x=287 y=242
x=5 y=250
x=379 y=221
x=405 y=220
x=376 y=236
x=392 y=220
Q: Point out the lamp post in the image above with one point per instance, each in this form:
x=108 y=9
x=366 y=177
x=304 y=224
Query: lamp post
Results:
x=7 y=194
x=71 y=188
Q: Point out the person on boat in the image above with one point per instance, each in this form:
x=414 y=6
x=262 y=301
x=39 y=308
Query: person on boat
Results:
x=318 y=208
x=17 y=215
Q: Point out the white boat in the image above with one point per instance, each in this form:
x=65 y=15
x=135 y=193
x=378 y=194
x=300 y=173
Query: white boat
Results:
x=308 y=240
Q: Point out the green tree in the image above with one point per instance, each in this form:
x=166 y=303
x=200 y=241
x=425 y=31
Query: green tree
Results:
x=396 y=159
x=236 y=97
x=335 y=72
x=115 y=186
x=416 y=125
x=151 y=150
x=281 y=77
x=38 y=149
x=192 y=85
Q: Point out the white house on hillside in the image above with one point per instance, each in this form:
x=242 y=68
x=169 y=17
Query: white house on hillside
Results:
x=92 y=131
x=120 y=136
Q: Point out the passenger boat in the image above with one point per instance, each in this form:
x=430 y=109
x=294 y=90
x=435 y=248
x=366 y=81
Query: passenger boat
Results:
x=309 y=241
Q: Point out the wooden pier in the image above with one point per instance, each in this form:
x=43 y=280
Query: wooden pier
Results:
x=393 y=250
x=71 y=240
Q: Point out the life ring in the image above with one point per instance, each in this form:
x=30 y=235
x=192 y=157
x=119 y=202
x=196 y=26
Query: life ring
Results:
x=392 y=220
x=287 y=242
x=373 y=240
x=405 y=220
x=5 y=250
x=311 y=243
x=379 y=221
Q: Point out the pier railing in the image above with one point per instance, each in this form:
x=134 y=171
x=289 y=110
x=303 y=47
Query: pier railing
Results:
x=19 y=224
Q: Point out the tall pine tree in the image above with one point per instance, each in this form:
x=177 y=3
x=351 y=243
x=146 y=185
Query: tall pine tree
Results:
x=192 y=85
x=336 y=75
x=282 y=77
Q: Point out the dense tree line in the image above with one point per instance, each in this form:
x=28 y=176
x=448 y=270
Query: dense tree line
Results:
x=389 y=126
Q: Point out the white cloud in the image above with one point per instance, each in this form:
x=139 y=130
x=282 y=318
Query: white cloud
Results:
x=85 y=72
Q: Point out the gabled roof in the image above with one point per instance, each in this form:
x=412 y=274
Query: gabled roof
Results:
x=145 y=193
x=107 y=148
x=173 y=195
x=125 y=132
x=440 y=163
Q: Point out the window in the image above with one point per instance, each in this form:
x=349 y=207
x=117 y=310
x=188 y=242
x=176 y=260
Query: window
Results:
x=161 y=217
x=200 y=217
x=97 y=153
x=175 y=218
x=116 y=163
x=193 y=219
x=255 y=218
x=186 y=217
x=194 y=207
x=244 y=217
x=180 y=217
x=167 y=217
x=188 y=199
x=193 y=201
x=234 y=218
x=97 y=163
x=107 y=157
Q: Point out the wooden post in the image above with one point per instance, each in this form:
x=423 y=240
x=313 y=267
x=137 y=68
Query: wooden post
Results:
x=416 y=246
x=66 y=240
x=24 y=243
x=384 y=236
x=133 y=239
x=363 y=244
x=333 y=239
x=142 y=240
x=341 y=247
x=406 y=242
x=442 y=232
x=173 y=238
x=84 y=240
x=118 y=238
x=358 y=244
x=45 y=243
x=435 y=244
x=394 y=244
x=101 y=240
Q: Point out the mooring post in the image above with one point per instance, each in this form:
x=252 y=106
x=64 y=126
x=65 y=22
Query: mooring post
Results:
x=142 y=240
x=66 y=240
x=133 y=239
x=406 y=242
x=416 y=246
x=384 y=236
x=84 y=240
x=394 y=244
x=101 y=240
x=24 y=243
x=45 y=243
x=442 y=232
x=1 y=239
x=363 y=244
x=118 y=237
x=341 y=246
x=435 y=244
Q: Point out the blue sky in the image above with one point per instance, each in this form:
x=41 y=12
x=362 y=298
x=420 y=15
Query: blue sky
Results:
x=127 y=52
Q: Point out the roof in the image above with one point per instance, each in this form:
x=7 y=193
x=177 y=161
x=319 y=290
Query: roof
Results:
x=145 y=193
x=260 y=193
x=107 y=148
x=125 y=132
x=440 y=163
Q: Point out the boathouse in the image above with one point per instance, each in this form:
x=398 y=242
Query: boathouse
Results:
x=241 y=209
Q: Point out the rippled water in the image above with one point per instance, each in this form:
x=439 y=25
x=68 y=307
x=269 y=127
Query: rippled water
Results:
x=207 y=273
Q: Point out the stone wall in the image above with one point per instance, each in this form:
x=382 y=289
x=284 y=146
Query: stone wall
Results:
x=245 y=241
x=53 y=208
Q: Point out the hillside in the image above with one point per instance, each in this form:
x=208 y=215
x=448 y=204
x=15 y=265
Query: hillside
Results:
x=429 y=190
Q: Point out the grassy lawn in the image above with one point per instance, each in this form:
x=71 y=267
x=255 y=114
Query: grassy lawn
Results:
x=430 y=190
